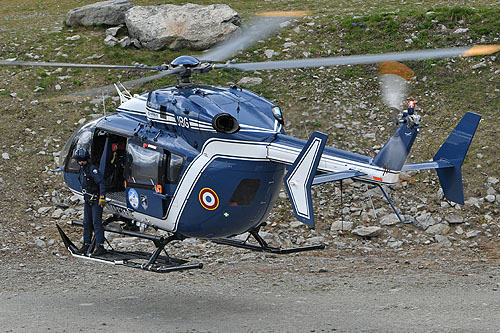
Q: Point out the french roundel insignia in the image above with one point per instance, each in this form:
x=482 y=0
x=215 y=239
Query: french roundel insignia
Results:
x=209 y=199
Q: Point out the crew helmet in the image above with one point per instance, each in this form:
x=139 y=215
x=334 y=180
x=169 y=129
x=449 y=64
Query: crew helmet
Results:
x=81 y=154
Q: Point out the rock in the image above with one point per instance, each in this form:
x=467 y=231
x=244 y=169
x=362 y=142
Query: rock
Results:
x=424 y=221
x=395 y=244
x=459 y=230
x=5 y=156
x=57 y=213
x=473 y=233
x=249 y=81
x=73 y=38
x=101 y=13
x=339 y=225
x=390 y=219
x=490 y=198
x=269 y=53
x=110 y=41
x=316 y=240
x=116 y=31
x=460 y=30
x=191 y=26
x=438 y=229
x=124 y=42
x=40 y=243
x=57 y=87
x=454 y=219
x=44 y=210
x=492 y=180
x=295 y=224
x=443 y=241
x=367 y=231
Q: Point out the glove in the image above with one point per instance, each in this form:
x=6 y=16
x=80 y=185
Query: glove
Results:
x=102 y=201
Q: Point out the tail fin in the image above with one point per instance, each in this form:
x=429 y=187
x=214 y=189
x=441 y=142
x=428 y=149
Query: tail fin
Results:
x=453 y=151
x=393 y=155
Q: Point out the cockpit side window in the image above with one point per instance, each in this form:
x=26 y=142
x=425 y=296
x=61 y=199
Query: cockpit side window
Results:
x=82 y=138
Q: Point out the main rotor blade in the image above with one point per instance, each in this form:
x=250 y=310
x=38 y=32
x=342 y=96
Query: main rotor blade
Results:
x=128 y=84
x=366 y=59
x=258 y=29
x=64 y=64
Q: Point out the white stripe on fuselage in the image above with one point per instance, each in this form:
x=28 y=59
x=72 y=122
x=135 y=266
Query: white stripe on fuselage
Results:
x=214 y=148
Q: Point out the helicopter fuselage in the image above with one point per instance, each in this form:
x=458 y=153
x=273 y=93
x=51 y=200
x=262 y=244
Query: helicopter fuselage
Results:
x=199 y=161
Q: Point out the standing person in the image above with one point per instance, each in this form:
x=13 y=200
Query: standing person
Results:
x=94 y=195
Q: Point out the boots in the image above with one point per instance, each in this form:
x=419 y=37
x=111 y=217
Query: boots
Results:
x=100 y=250
x=83 y=249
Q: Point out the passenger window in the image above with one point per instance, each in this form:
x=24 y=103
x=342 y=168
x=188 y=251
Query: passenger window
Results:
x=175 y=166
x=143 y=165
x=245 y=192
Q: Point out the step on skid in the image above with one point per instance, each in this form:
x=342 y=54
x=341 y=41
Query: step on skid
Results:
x=153 y=262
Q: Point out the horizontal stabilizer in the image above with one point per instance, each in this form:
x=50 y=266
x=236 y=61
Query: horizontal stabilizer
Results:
x=299 y=179
x=335 y=176
x=427 y=165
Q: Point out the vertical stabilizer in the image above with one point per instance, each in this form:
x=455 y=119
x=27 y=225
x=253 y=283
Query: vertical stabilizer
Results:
x=453 y=151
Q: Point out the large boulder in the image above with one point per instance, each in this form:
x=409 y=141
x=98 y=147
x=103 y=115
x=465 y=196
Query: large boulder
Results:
x=191 y=26
x=110 y=12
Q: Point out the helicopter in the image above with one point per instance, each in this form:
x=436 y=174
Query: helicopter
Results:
x=208 y=162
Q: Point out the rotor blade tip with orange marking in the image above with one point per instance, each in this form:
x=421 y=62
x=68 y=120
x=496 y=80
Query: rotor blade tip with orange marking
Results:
x=397 y=68
x=481 y=50
x=296 y=13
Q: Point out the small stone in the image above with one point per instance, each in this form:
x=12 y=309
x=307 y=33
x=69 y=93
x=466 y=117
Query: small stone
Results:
x=442 y=241
x=249 y=81
x=367 y=231
x=57 y=213
x=395 y=244
x=492 y=180
x=73 y=38
x=473 y=233
x=390 y=219
x=438 y=229
x=490 y=198
x=110 y=41
x=459 y=230
x=5 y=156
x=295 y=224
x=57 y=87
x=269 y=53
x=40 y=243
x=339 y=225
x=454 y=219
x=460 y=30
x=44 y=210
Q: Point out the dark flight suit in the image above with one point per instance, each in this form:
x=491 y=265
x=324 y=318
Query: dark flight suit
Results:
x=92 y=183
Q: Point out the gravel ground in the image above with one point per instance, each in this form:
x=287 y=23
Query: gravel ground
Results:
x=316 y=292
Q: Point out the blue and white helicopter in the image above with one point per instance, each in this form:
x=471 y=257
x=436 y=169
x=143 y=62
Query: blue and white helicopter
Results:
x=208 y=162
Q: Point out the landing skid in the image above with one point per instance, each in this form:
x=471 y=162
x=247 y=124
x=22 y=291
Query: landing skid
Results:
x=263 y=246
x=153 y=262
